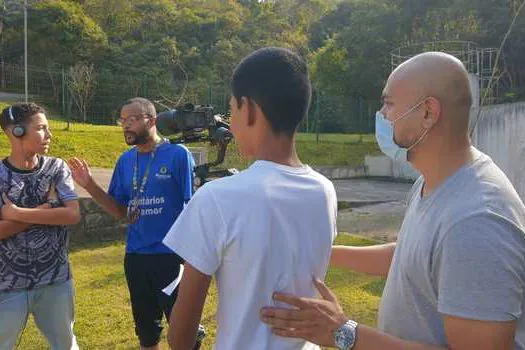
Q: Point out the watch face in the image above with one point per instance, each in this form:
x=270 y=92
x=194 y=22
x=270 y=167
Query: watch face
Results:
x=345 y=336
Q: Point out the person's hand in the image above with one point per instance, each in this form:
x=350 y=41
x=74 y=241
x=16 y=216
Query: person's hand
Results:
x=80 y=171
x=9 y=209
x=314 y=320
x=46 y=205
x=53 y=195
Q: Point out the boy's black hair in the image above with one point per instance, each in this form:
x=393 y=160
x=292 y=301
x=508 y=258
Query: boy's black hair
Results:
x=277 y=80
x=19 y=113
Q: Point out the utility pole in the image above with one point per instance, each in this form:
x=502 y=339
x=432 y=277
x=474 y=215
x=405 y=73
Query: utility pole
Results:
x=25 y=49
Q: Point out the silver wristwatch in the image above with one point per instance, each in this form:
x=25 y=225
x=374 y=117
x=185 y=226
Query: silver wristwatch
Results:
x=345 y=336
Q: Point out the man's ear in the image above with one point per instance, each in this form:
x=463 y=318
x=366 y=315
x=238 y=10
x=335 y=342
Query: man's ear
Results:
x=433 y=112
x=152 y=121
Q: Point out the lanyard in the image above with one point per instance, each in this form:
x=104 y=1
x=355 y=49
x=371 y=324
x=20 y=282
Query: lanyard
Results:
x=146 y=173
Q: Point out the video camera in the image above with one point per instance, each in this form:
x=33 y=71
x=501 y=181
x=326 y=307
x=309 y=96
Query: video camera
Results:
x=198 y=123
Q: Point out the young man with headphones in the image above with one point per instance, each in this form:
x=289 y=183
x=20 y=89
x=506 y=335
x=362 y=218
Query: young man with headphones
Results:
x=37 y=201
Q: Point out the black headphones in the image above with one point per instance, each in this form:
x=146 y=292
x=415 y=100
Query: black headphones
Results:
x=18 y=130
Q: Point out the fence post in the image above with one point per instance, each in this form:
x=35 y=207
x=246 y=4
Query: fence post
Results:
x=317 y=116
x=3 y=79
x=64 y=112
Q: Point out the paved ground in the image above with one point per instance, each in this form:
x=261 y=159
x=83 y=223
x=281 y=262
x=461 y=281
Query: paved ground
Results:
x=359 y=192
x=379 y=221
x=376 y=207
x=101 y=176
x=7 y=96
x=369 y=191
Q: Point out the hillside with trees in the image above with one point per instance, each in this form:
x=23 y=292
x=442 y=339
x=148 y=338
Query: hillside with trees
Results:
x=87 y=56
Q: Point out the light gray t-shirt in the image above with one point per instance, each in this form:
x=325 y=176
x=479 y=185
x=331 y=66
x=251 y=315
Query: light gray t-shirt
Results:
x=460 y=252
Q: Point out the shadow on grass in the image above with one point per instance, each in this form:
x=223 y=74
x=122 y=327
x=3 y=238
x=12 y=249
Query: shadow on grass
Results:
x=111 y=279
x=79 y=245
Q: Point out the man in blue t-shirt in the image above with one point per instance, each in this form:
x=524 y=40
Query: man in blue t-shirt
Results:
x=150 y=185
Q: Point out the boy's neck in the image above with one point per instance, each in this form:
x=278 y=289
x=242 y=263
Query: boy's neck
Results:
x=23 y=161
x=280 y=150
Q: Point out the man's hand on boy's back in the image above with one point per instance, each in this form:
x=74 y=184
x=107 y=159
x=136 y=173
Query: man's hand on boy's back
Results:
x=312 y=319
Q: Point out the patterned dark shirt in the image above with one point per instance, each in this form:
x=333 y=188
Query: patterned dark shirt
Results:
x=37 y=256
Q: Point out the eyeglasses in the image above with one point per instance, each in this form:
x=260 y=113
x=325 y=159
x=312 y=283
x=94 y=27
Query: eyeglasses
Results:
x=132 y=119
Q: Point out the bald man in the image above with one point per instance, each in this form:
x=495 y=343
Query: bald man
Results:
x=456 y=276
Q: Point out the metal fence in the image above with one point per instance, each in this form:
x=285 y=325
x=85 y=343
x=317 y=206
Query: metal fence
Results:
x=51 y=87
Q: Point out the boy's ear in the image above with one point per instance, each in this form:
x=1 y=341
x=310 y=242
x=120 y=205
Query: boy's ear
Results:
x=253 y=111
x=248 y=110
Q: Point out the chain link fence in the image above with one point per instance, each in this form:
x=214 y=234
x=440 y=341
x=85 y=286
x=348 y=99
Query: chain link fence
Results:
x=79 y=95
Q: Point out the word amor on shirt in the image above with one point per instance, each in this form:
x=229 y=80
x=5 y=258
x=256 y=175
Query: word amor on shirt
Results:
x=149 y=201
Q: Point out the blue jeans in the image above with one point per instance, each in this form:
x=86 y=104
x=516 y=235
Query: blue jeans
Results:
x=52 y=308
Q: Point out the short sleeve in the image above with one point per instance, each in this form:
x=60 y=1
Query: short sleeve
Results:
x=116 y=190
x=65 y=187
x=198 y=233
x=4 y=183
x=480 y=270
x=185 y=165
x=2 y=189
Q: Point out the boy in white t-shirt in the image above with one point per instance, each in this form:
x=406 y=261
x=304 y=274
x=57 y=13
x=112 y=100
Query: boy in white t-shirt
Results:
x=270 y=227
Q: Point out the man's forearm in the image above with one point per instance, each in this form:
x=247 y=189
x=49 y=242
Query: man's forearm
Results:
x=373 y=260
x=106 y=201
x=368 y=338
x=11 y=228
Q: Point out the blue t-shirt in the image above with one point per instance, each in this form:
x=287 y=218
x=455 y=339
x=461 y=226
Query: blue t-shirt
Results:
x=168 y=188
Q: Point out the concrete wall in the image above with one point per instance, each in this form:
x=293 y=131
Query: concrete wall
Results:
x=500 y=132
x=95 y=225
x=383 y=166
x=340 y=172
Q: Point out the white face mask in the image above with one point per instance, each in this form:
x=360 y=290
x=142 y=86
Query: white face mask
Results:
x=385 y=135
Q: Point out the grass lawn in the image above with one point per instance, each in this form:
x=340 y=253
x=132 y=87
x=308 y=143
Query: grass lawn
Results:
x=103 y=311
x=101 y=146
